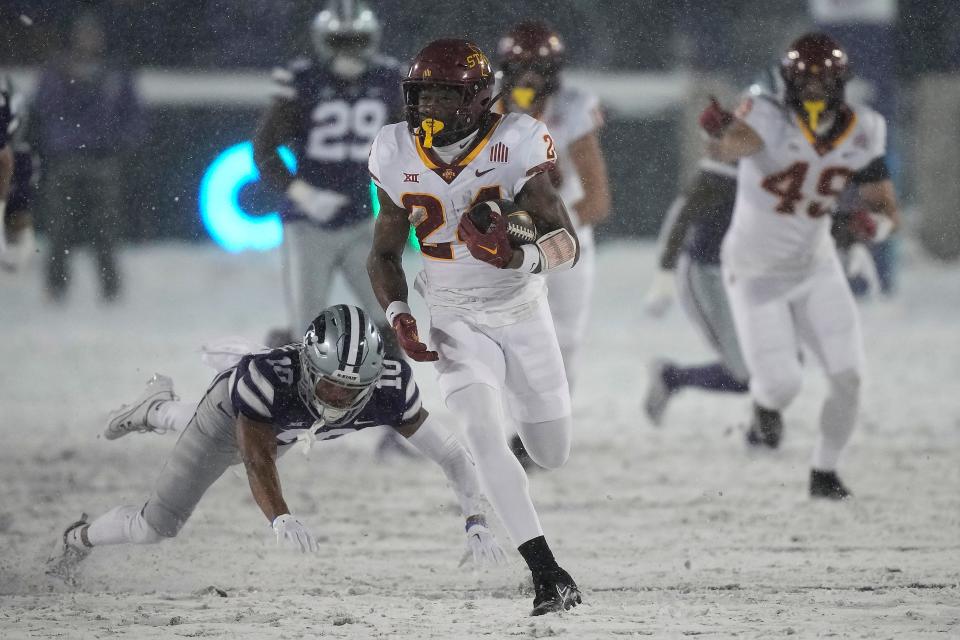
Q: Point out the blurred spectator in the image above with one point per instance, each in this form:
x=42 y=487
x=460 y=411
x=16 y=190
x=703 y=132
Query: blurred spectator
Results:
x=86 y=116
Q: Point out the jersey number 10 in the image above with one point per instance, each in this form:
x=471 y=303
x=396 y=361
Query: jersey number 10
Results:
x=344 y=130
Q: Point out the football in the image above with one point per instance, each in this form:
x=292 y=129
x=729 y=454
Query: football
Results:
x=520 y=226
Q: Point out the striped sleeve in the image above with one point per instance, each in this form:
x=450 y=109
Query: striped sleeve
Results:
x=251 y=392
x=283 y=84
x=412 y=404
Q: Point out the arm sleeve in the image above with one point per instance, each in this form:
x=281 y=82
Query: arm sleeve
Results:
x=538 y=154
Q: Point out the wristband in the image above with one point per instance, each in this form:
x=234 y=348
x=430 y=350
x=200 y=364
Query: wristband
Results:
x=531 y=258
x=395 y=308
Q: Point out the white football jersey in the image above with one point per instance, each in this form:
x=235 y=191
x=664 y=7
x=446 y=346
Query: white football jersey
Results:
x=435 y=194
x=787 y=191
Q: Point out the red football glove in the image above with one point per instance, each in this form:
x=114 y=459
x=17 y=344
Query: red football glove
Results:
x=863 y=225
x=715 y=119
x=405 y=327
x=867 y=226
x=492 y=247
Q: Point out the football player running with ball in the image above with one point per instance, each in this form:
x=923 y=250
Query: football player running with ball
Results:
x=333 y=383
x=780 y=268
x=492 y=336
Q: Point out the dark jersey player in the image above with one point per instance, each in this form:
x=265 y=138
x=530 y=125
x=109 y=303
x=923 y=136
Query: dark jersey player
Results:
x=327 y=109
x=333 y=383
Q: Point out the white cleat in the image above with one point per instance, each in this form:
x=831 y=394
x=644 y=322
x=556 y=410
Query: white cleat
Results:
x=134 y=417
x=67 y=556
x=658 y=394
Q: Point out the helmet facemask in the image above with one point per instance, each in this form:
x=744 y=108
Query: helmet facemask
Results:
x=346 y=35
x=441 y=117
x=527 y=86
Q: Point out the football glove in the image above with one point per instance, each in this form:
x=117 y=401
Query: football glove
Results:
x=660 y=294
x=482 y=545
x=867 y=226
x=291 y=533
x=405 y=326
x=715 y=119
x=492 y=247
x=319 y=205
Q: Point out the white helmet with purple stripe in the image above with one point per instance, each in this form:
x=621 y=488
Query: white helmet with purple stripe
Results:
x=341 y=359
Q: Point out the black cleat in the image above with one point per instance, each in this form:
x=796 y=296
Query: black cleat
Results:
x=555 y=591
x=766 y=429
x=826 y=484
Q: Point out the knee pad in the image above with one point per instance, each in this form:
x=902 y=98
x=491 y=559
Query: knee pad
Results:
x=776 y=391
x=547 y=443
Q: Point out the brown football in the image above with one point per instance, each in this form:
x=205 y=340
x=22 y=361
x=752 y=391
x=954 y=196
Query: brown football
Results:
x=520 y=226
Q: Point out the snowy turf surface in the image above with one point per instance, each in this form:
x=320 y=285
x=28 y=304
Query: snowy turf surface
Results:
x=671 y=533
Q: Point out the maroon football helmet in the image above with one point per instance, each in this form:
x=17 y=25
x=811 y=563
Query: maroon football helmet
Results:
x=531 y=47
x=815 y=70
x=449 y=63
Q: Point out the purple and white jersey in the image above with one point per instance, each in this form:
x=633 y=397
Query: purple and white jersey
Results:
x=263 y=387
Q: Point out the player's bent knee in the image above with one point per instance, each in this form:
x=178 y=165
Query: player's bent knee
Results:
x=548 y=443
x=775 y=392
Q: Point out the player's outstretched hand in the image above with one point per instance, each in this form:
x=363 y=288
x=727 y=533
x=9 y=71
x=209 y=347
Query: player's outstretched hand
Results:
x=660 y=294
x=405 y=326
x=291 y=533
x=492 y=247
x=715 y=119
x=482 y=545
x=320 y=205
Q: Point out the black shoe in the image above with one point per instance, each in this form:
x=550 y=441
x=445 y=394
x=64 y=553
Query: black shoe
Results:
x=766 y=428
x=826 y=484
x=555 y=591
x=516 y=445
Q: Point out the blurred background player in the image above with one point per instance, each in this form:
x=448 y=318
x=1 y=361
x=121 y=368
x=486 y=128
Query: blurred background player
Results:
x=333 y=383
x=783 y=278
x=530 y=59
x=86 y=117
x=689 y=261
x=496 y=347
x=17 y=243
x=8 y=125
x=328 y=109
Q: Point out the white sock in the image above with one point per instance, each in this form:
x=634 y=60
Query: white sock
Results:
x=501 y=476
x=170 y=415
x=121 y=525
x=837 y=420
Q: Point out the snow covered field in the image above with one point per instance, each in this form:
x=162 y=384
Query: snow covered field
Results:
x=671 y=533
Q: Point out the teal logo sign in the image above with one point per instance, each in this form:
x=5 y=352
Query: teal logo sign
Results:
x=224 y=219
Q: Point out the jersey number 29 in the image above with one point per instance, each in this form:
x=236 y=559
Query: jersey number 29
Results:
x=344 y=130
